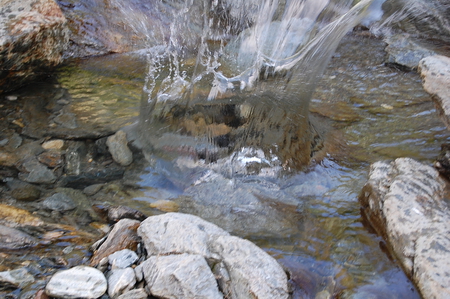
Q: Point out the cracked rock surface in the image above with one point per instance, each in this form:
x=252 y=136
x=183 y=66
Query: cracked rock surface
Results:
x=404 y=201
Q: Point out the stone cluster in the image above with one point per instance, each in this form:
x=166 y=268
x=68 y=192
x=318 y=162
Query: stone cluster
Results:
x=180 y=256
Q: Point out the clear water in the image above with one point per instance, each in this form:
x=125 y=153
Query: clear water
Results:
x=310 y=220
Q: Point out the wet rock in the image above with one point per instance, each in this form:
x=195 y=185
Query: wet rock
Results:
x=56 y=144
x=122 y=236
x=442 y=163
x=24 y=191
x=405 y=51
x=118 y=147
x=435 y=72
x=11 y=238
x=17 y=278
x=165 y=205
x=77 y=282
x=8 y=159
x=122 y=259
x=16 y=217
x=180 y=276
x=23 y=25
x=51 y=159
x=92 y=189
x=404 y=202
x=60 y=202
x=134 y=294
x=117 y=213
x=250 y=269
x=120 y=281
x=34 y=172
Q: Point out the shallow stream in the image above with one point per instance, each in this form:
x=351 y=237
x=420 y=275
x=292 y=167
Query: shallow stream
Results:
x=313 y=224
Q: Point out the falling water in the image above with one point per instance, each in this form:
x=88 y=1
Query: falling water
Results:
x=229 y=74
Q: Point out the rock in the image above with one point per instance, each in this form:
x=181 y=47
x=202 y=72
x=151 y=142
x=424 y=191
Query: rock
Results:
x=180 y=276
x=23 y=25
x=11 y=238
x=17 y=278
x=404 y=50
x=8 y=159
x=435 y=72
x=122 y=259
x=117 y=213
x=179 y=233
x=120 y=280
x=55 y=144
x=165 y=205
x=59 y=202
x=16 y=217
x=404 y=201
x=134 y=294
x=24 y=191
x=34 y=172
x=118 y=147
x=77 y=282
x=92 y=189
x=249 y=268
x=442 y=163
x=122 y=236
x=51 y=159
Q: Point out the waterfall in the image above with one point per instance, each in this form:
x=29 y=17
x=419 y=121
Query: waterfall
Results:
x=232 y=73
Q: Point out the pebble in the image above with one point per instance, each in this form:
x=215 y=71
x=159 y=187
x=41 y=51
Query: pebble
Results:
x=59 y=202
x=120 y=280
x=118 y=147
x=77 y=282
x=122 y=259
x=134 y=294
x=56 y=144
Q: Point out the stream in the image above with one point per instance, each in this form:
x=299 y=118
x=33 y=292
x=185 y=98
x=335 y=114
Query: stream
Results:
x=369 y=111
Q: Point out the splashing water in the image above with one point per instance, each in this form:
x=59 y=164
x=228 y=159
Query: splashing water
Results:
x=228 y=74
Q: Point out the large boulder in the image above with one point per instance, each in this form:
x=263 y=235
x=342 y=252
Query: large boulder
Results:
x=243 y=270
x=404 y=201
x=435 y=72
x=33 y=36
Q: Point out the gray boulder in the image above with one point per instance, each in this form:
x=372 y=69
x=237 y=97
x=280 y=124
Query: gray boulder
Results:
x=23 y=25
x=247 y=270
x=404 y=202
x=180 y=276
x=118 y=147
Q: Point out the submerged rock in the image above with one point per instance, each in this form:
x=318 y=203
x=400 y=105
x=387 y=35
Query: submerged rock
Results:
x=118 y=147
x=11 y=238
x=404 y=201
x=17 y=278
x=77 y=282
x=23 y=25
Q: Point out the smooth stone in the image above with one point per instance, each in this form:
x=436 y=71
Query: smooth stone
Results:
x=179 y=233
x=120 y=280
x=435 y=73
x=26 y=192
x=118 y=147
x=134 y=294
x=122 y=258
x=15 y=217
x=17 y=278
x=11 y=238
x=92 y=189
x=59 y=202
x=77 y=282
x=180 y=276
x=251 y=270
x=36 y=172
x=56 y=144
x=122 y=236
x=404 y=202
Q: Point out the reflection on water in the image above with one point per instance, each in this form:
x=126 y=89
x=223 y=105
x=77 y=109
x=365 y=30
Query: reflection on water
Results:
x=310 y=220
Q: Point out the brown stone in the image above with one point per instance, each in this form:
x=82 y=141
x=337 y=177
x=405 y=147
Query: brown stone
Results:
x=14 y=217
x=23 y=25
x=51 y=158
x=122 y=236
